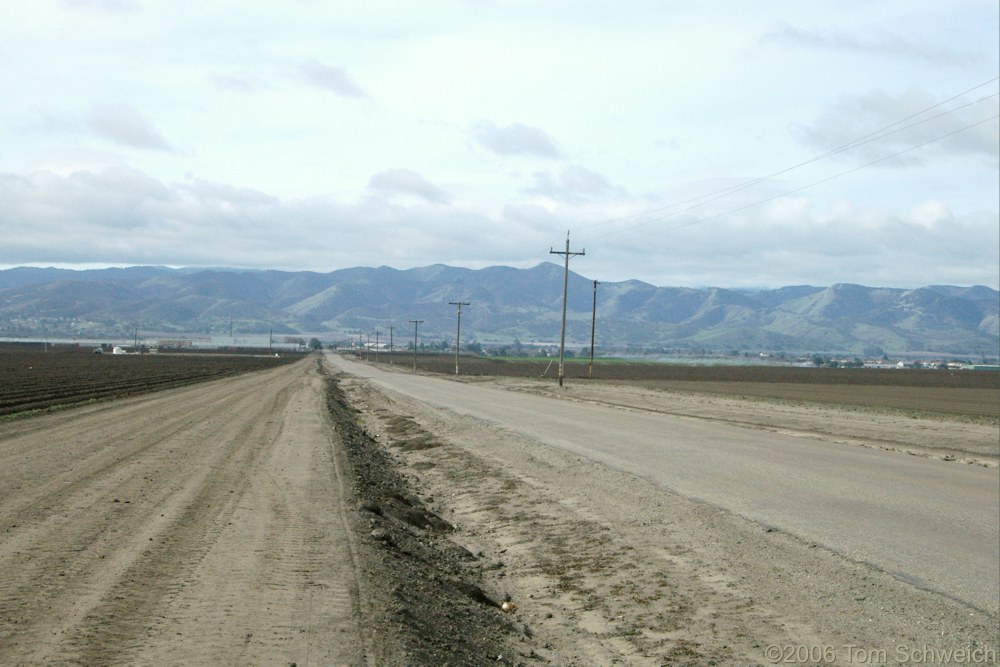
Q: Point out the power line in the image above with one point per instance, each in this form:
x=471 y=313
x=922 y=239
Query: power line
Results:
x=814 y=183
x=880 y=133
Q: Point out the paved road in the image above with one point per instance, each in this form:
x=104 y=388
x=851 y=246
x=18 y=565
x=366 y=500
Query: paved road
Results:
x=933 y=523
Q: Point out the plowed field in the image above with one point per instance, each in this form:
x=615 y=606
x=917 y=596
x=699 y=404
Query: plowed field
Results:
x=32 y=379
x=969 y=393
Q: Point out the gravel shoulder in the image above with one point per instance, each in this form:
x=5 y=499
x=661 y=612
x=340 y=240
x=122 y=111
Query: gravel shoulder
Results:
x=657 y=578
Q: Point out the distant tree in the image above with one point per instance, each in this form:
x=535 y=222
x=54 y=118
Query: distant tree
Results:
x=474 y=347
x=314 y=344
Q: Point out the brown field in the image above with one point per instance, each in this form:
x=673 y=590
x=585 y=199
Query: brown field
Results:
x=32 y=379
x=969 y=393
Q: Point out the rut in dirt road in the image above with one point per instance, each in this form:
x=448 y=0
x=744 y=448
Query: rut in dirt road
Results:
x=202 y=525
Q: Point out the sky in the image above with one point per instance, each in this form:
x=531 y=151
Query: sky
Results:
x=681 y=143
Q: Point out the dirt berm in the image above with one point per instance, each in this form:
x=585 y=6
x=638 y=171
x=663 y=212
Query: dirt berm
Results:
x=427 y=596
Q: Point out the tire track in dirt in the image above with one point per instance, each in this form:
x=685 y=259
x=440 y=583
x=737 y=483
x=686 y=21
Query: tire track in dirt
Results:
x=167 y=528
x=66 y=536
x=308 y=599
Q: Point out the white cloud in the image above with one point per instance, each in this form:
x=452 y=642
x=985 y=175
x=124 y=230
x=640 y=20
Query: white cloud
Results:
x=122 y=216
x=772 y=248
x=113 y=6
x=404 y=181
x=893 y=122
x=124 y=125
x=531 y=214
x=932 y=213
x=334 y=79
x=573 y=184
x=237 y=83
x=516 y=139
x=875 y=42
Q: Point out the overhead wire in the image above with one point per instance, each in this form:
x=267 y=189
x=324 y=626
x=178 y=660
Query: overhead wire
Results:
x=814 y=183
x=881 y=133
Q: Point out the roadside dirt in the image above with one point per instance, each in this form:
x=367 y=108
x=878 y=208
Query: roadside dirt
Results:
x=427 y=598
x=601 y=567
x=204 y=525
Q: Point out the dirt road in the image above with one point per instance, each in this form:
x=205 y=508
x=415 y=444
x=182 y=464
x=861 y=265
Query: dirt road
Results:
x=203 y=525
x=819 y=544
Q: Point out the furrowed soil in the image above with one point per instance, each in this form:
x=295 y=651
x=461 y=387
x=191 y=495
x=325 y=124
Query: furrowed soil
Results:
x=38 y=379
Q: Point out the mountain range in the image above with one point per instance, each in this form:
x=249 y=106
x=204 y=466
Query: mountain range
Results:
x=506 y=306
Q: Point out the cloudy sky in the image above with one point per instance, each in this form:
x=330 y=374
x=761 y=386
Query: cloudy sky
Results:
x=681 y=143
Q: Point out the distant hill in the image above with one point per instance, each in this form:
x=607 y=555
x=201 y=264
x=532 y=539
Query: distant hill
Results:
x=506 y=305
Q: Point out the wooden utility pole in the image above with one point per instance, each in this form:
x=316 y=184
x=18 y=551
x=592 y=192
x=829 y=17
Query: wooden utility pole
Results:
x=458 y=330
x=390 y=344
x=593 y=327
x=376 y=345
x=562 y=338
x=415 y=323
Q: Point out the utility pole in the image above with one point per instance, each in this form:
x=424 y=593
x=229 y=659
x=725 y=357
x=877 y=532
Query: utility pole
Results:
x=593 y=326
x=562 y=338
x=376 y=346
x=390 y=344
x=368 y=347
x=458 y=331
x=415 y=323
